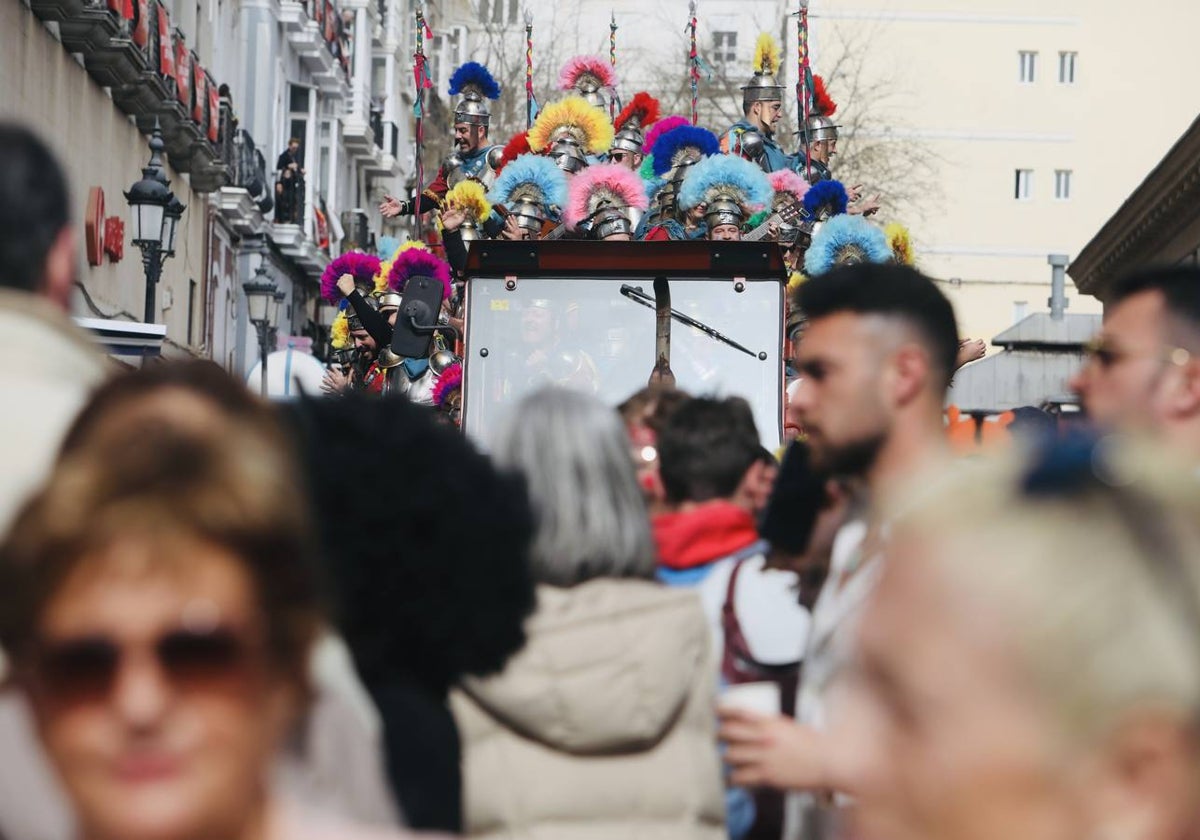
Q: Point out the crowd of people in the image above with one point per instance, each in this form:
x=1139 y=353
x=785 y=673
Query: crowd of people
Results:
x=341 y=618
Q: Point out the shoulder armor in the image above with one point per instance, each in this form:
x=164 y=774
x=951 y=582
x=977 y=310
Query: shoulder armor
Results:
x=751 y=144
x=494 y=156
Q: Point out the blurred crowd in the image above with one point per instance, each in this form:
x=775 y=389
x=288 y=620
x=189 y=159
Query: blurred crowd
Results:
x=340 y=618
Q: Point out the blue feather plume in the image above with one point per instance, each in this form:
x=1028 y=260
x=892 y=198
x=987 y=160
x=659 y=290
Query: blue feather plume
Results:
x=745 y=177
x=474 y=74
x=831 y=194
x=541 y=172
x=676 y=139
x=830 y=243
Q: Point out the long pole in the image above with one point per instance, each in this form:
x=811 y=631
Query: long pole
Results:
x=694 y=64
x=529 y=100
x=803 y=84
x=262 y=355
x=422 y=82
x=612 y=59
x=152 y=266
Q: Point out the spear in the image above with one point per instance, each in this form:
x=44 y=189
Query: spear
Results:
x=530 y=101
x=421 y=79
x=694 y=64
x=803 y=82
x=612 y=58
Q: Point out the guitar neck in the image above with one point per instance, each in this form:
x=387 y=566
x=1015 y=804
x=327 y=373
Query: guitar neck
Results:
x=761 y=232
x=558 y=233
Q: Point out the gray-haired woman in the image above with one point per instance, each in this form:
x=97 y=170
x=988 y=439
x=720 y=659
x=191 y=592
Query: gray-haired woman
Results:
x=602 y=726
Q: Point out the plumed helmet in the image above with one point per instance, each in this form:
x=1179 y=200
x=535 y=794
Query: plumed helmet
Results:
x=763 y=86
x=476 y=85
x=632 y=123
x=820 y=125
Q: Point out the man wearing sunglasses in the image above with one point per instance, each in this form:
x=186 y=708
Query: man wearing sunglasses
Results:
x=1143 y=370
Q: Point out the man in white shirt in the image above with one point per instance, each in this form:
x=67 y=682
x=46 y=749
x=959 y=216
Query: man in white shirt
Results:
x=876 y=359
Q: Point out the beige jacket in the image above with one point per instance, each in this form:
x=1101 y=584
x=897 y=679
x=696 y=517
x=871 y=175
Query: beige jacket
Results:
x=601 y=727
x=49 y=368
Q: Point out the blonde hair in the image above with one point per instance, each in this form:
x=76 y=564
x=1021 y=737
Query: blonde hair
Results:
x=1097 y=572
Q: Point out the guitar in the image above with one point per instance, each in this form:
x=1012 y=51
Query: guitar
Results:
x=789 y=214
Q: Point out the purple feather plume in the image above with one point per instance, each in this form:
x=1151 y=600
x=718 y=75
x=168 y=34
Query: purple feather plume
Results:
x=362 y=267
x=418 y=263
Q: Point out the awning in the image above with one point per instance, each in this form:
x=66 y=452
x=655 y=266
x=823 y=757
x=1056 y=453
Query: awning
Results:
x=129 y=342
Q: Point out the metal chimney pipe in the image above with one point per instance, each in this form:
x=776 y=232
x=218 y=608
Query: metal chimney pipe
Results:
x=1058 y=302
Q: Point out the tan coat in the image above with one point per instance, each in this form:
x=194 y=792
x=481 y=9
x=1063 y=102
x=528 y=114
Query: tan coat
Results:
x=601 y=727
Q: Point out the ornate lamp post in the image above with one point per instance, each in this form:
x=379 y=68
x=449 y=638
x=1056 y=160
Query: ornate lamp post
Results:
x=262 y=303
x=155 y=213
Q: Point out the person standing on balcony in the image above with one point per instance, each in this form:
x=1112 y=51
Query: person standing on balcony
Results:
x=289 y=184
x=474 y=156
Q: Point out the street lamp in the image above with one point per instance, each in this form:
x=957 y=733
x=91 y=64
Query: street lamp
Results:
x=262 y=303
x=154 y=216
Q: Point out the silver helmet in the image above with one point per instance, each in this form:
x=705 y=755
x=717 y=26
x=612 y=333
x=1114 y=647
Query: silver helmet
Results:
x=629 y=139
x=609 y=220
x=819 y=127
x=763 y=86
x=472 y=109
x=724 y=211
x=568 y=155
x=529 y=216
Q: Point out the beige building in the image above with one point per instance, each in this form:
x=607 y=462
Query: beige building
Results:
x=1028 y=120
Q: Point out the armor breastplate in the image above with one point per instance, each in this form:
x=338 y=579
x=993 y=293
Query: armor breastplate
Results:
x=476 y=167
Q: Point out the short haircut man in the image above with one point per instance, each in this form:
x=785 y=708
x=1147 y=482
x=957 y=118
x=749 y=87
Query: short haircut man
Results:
x=705 y=449
x=1144 y=371
x=36 y=249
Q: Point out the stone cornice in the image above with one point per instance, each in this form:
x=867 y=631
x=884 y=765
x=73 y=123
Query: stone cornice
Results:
x=1159 y=222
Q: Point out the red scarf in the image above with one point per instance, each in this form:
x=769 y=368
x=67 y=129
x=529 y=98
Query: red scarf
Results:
x=704 y=534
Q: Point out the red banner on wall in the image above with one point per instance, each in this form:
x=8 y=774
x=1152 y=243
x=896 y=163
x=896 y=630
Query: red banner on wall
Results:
x=330 y=23
x=183 y=73
x=124 y=8
x=166 y=45
x=141 y=23
x=319 y=12
x=200 y=100
x=214 y=110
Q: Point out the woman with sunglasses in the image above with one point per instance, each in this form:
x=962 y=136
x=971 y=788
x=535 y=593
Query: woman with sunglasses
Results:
x=160 y=612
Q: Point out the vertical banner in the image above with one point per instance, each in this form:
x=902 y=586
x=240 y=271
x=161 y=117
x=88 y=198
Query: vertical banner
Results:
x=183 y=72
x=200 y=100
x=122 y=8
x=319 y=13
x=330 y=23
x=214 y=110
x=141 y=23
x=166 y=45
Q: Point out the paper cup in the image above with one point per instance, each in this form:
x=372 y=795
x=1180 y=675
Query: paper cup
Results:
x=760 y=697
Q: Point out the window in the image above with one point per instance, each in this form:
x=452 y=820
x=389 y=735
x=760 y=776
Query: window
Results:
x=1024 y=184
x=1066 y=68
x=1062 y=184
x=724 y=48
x=1028 y=67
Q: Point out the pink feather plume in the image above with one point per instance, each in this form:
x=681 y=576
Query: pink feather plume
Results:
x=449 y=382
x=623 y=182
x=581 y=64
x=363 y=267
x=418 y=263
x=660 y=128
x=787 y=181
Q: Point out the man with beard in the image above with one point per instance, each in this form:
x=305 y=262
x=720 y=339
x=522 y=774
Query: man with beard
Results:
x=1143 y=374
x=878 y=352
x=475 y=156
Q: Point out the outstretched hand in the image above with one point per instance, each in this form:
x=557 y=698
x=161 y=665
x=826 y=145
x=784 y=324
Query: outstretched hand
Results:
x=391 y=207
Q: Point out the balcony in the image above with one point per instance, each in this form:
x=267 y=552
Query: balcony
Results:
x=85 y=26
x=296 y=246
x=249 y=194
x=385 y=137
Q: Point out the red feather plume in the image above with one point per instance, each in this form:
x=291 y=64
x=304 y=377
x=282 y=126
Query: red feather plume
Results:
x=643 y=106
x=822 y=102
x=517 y=146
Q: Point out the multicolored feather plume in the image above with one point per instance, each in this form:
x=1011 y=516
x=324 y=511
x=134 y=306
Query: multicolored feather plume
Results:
x=532 y=178
x=726 y=176
x=607 y=184
x=641 y=112
x=473 y=76
x=572 y=117
x=823 y=104
x=766 y=55
x=661 y=127
x=469 y=196
x=588 y=70
x=680 y=144
x=385 y=267
x=418 y=263
x=360 y=266
x=447 y=383
x=846 y=240
x=900 y=241
x=825 y=199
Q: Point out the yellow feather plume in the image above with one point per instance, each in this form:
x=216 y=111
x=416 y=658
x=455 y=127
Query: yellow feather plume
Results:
x=795 y=279
x=766 y=55
x=901 y=242
x=385 y=267
x=585 y=122
x=471 y=198
x=339 y=333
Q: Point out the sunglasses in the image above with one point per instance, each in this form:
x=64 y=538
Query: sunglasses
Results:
x=85 y=669
x=1107 y=355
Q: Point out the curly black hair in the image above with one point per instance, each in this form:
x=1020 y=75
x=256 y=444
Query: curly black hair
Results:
x=426 y=542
